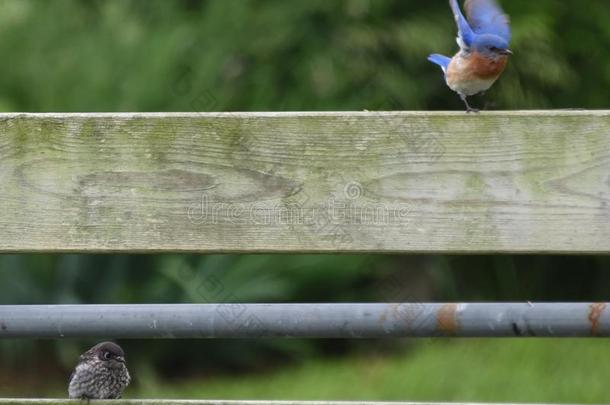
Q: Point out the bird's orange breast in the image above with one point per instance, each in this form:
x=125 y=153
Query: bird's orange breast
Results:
x=472 y=73
x=487 y=68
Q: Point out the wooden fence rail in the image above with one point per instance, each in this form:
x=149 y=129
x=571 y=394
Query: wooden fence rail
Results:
x=526 y=182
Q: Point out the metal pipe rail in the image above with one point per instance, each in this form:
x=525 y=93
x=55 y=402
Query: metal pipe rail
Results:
x=373 y=320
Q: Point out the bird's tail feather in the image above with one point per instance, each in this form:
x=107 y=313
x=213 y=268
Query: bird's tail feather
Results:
x=441 y=60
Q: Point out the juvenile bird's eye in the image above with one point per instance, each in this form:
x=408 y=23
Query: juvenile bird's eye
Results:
x=107 y=355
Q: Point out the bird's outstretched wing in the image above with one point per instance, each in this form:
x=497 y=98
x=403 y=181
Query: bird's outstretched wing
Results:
x=465 y=33
x=486 y=17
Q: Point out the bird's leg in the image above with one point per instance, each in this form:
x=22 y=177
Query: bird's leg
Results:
x=469 y=109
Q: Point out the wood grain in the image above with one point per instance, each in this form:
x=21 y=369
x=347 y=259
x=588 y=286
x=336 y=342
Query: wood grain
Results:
x=526 y=182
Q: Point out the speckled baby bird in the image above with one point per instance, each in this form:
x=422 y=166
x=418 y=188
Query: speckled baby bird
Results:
x=101 y=373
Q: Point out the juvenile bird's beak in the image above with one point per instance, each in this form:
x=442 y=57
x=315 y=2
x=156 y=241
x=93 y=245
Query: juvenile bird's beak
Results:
x=506 y=52
x=120 y=358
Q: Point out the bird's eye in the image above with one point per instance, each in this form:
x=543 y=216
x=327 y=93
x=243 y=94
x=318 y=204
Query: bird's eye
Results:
x=494 y=49
x=107 y=355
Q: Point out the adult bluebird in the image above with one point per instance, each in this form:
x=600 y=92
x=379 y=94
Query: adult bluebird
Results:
x=484 y=48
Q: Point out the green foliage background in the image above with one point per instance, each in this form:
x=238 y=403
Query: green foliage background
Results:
x=278 y=55
x=197 y=55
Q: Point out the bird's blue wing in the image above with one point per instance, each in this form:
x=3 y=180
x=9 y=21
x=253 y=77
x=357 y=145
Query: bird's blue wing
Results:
x=486 y=17
x=465 y=33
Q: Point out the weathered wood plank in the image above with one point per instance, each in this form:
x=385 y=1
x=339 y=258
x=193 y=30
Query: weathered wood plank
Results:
x=315 y=182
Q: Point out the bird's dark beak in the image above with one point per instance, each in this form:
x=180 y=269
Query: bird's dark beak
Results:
x=506 y=52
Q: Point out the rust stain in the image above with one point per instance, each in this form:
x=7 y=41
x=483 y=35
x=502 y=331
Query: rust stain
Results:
x=402 y=312
x=446 y=319
x=395 y=308
x=390 y=310
x=594 y=315
x=384 y=316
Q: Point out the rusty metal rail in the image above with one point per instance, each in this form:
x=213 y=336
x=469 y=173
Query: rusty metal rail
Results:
x=306 y=320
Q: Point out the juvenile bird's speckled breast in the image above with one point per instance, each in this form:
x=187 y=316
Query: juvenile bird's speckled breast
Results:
x=94 y=380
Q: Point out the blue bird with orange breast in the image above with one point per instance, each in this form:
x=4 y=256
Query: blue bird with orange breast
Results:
x=484 y=48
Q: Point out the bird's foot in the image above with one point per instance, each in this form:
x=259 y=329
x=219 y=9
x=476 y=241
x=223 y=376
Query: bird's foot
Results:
x=469 y=109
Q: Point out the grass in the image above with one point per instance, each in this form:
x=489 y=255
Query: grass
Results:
x=458 y=370
x=560 y=371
